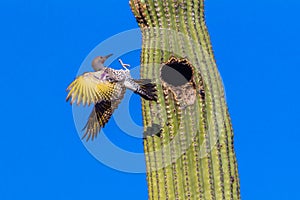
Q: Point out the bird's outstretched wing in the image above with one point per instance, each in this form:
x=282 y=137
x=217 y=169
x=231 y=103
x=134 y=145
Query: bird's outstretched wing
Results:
x=92 y=87
x=101 y=114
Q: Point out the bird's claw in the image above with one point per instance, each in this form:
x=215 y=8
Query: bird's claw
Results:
x=124 y=65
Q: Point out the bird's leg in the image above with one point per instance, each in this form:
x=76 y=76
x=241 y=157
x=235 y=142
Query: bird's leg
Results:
x=124 y=65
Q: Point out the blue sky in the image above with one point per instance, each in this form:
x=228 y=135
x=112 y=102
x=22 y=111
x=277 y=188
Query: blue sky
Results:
x=43 y=44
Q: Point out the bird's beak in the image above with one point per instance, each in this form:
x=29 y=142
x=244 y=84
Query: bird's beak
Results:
x=109 y=55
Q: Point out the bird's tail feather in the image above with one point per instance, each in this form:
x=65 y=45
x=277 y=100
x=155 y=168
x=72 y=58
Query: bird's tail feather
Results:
x=147 y=89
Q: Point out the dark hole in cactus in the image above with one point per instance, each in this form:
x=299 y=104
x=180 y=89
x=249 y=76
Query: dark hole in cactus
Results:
x=176 y=72
x=155 y=129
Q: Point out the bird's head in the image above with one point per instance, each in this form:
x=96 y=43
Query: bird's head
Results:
x=98 y=62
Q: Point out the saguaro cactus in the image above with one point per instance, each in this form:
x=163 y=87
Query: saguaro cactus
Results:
x=188 y=134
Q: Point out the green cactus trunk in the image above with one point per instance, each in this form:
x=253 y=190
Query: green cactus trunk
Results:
x=188 y=134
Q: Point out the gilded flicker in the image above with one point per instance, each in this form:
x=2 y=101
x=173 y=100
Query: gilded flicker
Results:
x=105 y=88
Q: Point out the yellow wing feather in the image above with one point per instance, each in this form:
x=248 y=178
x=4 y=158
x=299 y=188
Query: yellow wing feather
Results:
x=89 y=88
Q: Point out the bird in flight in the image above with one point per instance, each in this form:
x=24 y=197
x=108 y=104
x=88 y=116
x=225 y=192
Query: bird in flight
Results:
x=105 y=88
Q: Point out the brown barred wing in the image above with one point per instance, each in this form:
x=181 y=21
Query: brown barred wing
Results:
x=100 y=115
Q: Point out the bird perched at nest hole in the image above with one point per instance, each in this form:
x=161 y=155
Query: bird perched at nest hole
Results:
x=105 y=88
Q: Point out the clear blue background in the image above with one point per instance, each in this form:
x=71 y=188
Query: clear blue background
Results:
x=42 y=45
